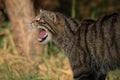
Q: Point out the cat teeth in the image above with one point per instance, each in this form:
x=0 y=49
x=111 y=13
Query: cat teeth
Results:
x=45 y=36
x=39 y=39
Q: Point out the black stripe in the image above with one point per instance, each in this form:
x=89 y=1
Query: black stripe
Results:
x=76 y=23
x=95 y=37
x=112 y=33
x=116 y=47
x=52 y=29
x=103 y=39
x=102 y=35
x=68 y=26
x=112 y=29
x=109 y=50
x=105 y=18
x=86 y=44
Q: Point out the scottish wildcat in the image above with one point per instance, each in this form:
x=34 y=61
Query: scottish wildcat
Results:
x=92 y=47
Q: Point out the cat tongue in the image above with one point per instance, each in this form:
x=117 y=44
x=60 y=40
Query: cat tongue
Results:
x=42 y=34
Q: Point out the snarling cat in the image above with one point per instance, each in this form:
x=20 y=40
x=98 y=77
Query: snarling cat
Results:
x=92 y=47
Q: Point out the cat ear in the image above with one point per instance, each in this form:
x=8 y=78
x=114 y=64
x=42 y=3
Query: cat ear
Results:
x=41 y=10
x=53 y=17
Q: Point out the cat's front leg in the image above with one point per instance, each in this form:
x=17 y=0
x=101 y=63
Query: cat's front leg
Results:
x=85 y=74
x=86 y=77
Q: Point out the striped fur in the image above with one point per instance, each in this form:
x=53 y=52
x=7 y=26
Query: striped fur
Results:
x=92 y=47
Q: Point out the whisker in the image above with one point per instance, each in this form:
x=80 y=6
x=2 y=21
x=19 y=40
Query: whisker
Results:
x=30 y=28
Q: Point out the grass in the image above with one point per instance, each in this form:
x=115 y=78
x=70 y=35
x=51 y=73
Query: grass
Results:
x=48 y=68
x=52 y=65
x=114 y=75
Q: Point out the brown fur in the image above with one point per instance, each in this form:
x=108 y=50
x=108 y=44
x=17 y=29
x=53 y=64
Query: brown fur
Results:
x=93 y=47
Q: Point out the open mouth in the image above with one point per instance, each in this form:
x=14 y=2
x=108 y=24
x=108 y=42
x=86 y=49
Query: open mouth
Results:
x=42 y=35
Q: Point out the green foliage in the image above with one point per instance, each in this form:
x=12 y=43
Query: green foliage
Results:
x=1 y=42
x=114 y=75
x=52 y=48
x=8 y=73
x=2 y=35
x=73 y=11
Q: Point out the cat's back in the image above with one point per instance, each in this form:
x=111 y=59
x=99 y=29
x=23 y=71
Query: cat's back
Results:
x=101 y=38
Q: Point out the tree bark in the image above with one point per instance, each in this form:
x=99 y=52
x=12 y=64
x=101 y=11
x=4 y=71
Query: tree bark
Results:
x=20 y=13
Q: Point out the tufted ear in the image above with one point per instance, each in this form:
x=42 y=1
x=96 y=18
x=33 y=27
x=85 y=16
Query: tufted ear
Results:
x=53 y=17
x=41 y=11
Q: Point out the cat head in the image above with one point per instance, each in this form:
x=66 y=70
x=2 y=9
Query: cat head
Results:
x=49 y=25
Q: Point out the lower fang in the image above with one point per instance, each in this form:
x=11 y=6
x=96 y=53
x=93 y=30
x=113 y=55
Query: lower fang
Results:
x=45 y=35
x=39 y=39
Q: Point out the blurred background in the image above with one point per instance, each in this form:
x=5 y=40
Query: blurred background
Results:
x=22 y=57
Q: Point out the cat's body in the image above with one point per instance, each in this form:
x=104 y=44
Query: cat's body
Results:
x=92 y=47
x=95 y=47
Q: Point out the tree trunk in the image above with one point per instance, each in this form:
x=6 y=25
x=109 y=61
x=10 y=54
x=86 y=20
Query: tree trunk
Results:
x=20 y=13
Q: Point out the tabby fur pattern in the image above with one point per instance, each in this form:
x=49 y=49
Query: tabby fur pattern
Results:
x=92 y=46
